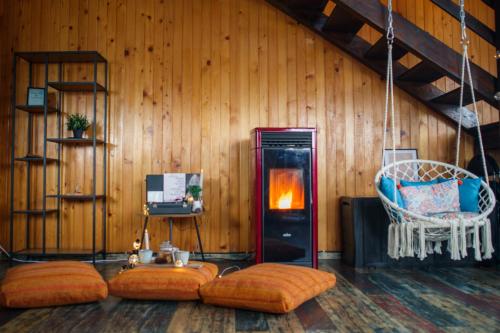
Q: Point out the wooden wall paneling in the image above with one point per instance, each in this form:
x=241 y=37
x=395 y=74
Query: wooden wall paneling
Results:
x=214 y=223
x=349 y=138
x=206 y=147
x=185 y=142
x=189 y=79
x=357 y=139
x=301 y=78
x=320 y=125
x=331 y=73
x=281 y=83
x=272 y=24
x=140 y=151
x=245 y=124
x=339 y=137
x=254 y=112
x=263 y=49
x=234 y=125
x=129 y=111
x=224 y=142
x=291 y=68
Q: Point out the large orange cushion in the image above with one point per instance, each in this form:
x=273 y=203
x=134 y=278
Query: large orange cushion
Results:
x=274 y=288
x=52 y=283
x=162 y=283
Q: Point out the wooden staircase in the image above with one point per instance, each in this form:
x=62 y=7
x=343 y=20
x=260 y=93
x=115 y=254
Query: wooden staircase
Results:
x=438 y=60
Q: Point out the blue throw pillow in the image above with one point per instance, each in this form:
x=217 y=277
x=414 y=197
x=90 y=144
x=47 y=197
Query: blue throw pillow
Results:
x=410 y=183
x=469 y=194
x=387 y=187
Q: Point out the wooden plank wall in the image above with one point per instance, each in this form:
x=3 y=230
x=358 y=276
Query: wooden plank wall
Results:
x=188 y=80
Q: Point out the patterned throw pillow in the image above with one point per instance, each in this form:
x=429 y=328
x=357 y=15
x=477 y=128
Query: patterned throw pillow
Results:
x=432 y=199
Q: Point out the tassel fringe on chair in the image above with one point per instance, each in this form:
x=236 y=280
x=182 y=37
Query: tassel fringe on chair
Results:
x=412 y=238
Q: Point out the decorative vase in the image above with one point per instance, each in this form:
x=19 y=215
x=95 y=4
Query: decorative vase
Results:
x=197 y=206
x=77 y=133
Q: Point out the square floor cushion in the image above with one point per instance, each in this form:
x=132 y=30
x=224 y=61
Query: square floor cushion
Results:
x=162 y=283
x=52 y=283
x=275 y=288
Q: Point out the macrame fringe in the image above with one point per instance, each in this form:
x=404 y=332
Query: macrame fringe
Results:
x=409 y=239
x=487 y=244
x=421 y=237
x=469 y=240
x=428 y=247
x=402 y=239
x=463 y=240
x=455 y=253
x=437 y=247
x=476 y=242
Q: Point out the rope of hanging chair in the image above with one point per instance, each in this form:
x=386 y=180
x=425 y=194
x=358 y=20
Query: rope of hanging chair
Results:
x=466 y=67
x=389 y=97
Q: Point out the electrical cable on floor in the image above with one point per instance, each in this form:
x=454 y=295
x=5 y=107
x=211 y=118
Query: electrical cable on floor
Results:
x=226 y=269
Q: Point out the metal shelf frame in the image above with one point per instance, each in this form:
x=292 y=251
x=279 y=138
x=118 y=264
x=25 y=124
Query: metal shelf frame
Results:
x=46 y=59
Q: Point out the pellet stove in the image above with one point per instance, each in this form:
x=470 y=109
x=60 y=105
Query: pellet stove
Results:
x=284 y=181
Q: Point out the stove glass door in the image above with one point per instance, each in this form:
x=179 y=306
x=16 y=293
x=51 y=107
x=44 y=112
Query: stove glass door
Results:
x=287 y=205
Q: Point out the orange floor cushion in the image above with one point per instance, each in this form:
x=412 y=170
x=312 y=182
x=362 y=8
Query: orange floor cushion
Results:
x=52 y=283
x=274 y=288
x=162 y=283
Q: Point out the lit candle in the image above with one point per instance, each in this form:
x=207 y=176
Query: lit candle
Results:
x=133 y=259
x=137 y=244
x=178 y=263
x=146 y=239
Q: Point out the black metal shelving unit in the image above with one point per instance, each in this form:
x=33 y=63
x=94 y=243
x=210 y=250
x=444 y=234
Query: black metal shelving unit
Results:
x=59 y=59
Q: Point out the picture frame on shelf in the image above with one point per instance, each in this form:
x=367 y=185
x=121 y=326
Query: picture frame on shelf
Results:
x=403 y=154
x=35 y=96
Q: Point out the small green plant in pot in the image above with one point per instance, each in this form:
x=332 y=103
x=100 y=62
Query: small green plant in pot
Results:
x=78 y=123
x=195 y=191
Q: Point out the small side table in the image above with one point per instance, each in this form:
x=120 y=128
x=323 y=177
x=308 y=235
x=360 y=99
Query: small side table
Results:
x=170 y=218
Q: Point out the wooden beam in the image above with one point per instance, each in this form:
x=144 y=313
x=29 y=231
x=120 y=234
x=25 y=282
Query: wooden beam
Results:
x=340 y=21
x=317 y=5
x=379 y=50
x=422 y=44
x=423 y=72
x=453 y=97
x=473 y=24
x=490 y=2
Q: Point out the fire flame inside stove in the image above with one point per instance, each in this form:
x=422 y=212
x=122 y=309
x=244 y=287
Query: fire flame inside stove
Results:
x=285 y=200
x=286 y=189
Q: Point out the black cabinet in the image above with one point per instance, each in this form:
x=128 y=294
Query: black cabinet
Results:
x=364 y=234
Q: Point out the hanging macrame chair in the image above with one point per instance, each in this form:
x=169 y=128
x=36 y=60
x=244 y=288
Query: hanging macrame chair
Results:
x=411 y=233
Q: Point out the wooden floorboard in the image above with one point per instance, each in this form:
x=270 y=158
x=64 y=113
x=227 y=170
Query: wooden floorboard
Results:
x=364 y=300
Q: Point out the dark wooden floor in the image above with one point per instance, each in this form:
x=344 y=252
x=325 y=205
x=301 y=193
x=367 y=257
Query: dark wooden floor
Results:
x=372 y=300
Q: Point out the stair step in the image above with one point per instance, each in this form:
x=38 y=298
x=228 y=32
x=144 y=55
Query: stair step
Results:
x=308 y=4
x=423 y=72
x=342 y=22
x=378 y=50
x=453 y=97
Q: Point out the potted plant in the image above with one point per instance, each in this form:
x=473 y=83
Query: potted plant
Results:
x=195 y=191
x=78 y=123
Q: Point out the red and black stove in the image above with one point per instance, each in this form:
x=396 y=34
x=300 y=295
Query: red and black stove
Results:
x=284 y=181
